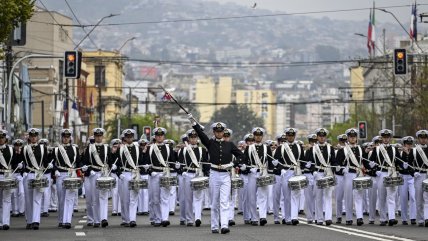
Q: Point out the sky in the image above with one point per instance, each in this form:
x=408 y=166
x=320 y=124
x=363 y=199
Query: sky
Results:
x=292 y=6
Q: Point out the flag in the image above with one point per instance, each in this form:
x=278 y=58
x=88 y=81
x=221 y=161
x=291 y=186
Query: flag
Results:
x=65 y=113
x=74 y=117
x=369 y=34
x=373 y=34
x=166 y=96
x=413 y=24
x=91 y=101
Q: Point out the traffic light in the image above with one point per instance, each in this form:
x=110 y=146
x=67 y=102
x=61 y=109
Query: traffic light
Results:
x=362 y=130
x=400 y=62
x=147 y=132
x=72 y=64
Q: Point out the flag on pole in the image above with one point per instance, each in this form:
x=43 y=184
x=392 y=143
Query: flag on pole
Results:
x=166 y=96
x=369 y=34
x=65 y=113
x=413 y=24
x=91 y=101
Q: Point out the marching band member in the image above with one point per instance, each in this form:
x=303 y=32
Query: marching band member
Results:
x=420 y=153
x=278 y=198
x=234 y=195
x=160 y=158
x=66 y=160
x=220 y=153
x=288 y=155
x=339 y=190
x=181 y=197
x=249 y=140
x=130 y=159
x=241 y=147
x=36 y=162
x=257 y=156
x=383 y=160
x=143 y=195
x=407 y=190
x=322 y=156
x=351 y=163
x=115 y=197
x=46 y=198
x=372 y=173
x=18 y=197
x=96 y=164
x=309 y=191
x=174 y=173
x=7 y=165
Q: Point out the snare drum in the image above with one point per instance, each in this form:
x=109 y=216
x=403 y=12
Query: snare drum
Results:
x=298 y=182
x=167 y=182
x=362 y=183
x=199 y=183
x=425 y=185
x=393 y=181
x=38 y=183
x=136 y=185
x=72 y=183
x=326 y=182
x=263 y=181
x=103 y=183
x=237 y=183
x=8 y=183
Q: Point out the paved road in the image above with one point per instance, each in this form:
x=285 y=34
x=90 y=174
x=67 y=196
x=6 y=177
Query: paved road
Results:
x=80 y=232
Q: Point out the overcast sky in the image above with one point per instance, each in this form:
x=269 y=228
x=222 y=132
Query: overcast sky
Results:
x=292 y=6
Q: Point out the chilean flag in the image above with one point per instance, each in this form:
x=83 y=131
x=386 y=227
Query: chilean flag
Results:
x=413 y=24
x=369 y=34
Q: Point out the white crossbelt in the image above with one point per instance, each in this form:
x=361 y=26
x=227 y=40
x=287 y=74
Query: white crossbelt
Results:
x=94 y=153
x=422 y=154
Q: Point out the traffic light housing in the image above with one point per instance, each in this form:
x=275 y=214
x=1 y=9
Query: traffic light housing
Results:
x=362 y=130
x=147 y=132
x=72 y=64
x=400 y=62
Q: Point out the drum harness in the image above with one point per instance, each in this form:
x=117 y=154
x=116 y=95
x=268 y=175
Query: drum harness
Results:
x=159 y=156
x=290 y=154
x=70 y=168
x=135 y=170
x=255 y=156
x=423 y=156
x=392 y=172
x=6 y=165
x=317 y=153
x=36 y=169
x=349 y=154
x=193 y=158
x=101 y=165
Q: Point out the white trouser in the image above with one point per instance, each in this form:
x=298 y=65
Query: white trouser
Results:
x=310 y=197
x=220 y=184
x=339 y=193
x=76 y=200
x=207 y=198
x=366 y=200
x=18 y=197
x=302 y=200
x=244 y=197
x=66 y=199
x=99 y=199
x=46 y=198
x=181 y=197
x=257 y=196
x=407 y=196
x=352 y=197
x=323 y=198
x=54 y=197
x=87 y=185
x=143 y=197
x=161 y=197
x=6 y=204
x=232 y=204
x=373 y=199
x=129 y=198
x=173 y=197
x=277 y=190
x=291 y=198
x=33 y=201
x=421 y=198
x=192 y=199
x=387 y=197
x=270 y=198
x=115 y=197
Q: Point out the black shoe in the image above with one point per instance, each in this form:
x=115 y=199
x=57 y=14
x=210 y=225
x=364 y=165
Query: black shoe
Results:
x=366 y=214
x=225 y=231
x=140 y=213
x=399 y=213
x=426 y=222
x=310 y=222
x=283 y=221
x=413 y=221
x=343 y=213
x=152 y=223
x=294 y=221
x=263 y=221
x=288 y=223
x=371 y=222
x=319 y=223
x=35 y=226
x=29 y=226
x=205 y=209
x=395 y=221
x=145 y=213
x=328 y=222
x=5 y=227
x=14 y=215
x=182 y=222
x=339 y=221
x=96 y=225
x=360 y=221
x=383 y=223
x=114 y=214
x=302 y=212
x=52 y=211
x=391 y=222
x=254 y=223
x=67 y=225
x=214 y=231
x=240 y=213
x=189 y=224
x=247 y=222
x=45 y=214
x=405 y=223
x=349 y=223
x=132 y=224
x=75 y=210
x=119 y=214
x=104 y=223
x=21 y=214
x=198 y=222
x=157 y=225
x=171 y=213
x=60 y=225
x=231 y=222
x=164 y=224
x=269 y=213
x=89 y=224
x=277 y=222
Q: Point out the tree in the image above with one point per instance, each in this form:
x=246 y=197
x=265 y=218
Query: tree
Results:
x=13 y=12
x=239 y=118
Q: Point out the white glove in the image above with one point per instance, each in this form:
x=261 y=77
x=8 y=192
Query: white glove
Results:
x=153 y=174
x=92 y=173
x=372 y=164
x=243 y=167
x=121 y=176
x=113 y=167
x=24 y=174
x=378 y=173
x=184 y=174
x=275 y=162
x=405 y=165
x=177 y=165
x=308 y=165
x=315 y=173
x=253 y=170
x=19 y=166
x=338 y=169
x=50 y=166
x=417 y=174
x=57 y=174
x=345 y=170
x=84 y=168
x=283 y=171
x=191 y=119
x=146 y=167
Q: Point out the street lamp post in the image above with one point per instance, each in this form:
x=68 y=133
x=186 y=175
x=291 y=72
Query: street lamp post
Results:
x=123 y=45
x=96 y=25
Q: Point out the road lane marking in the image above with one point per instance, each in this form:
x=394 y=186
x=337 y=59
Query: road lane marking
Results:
x=82 y=221
x=80 y=234
x=78 y=227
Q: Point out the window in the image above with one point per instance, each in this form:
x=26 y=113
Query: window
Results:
x=100 y=76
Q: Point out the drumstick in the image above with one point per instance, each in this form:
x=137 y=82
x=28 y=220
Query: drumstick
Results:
x=413 y=167
x=108 y=174
x=15 y=170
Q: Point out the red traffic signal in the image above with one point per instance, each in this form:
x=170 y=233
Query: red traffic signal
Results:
x=147 y=130
x=400 y=62
x=72 y=64
x=362 y=130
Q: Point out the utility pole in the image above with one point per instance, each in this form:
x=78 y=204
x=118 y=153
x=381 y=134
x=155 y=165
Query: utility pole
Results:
x=129 y=107
x=394 y=107
x=100 y=108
